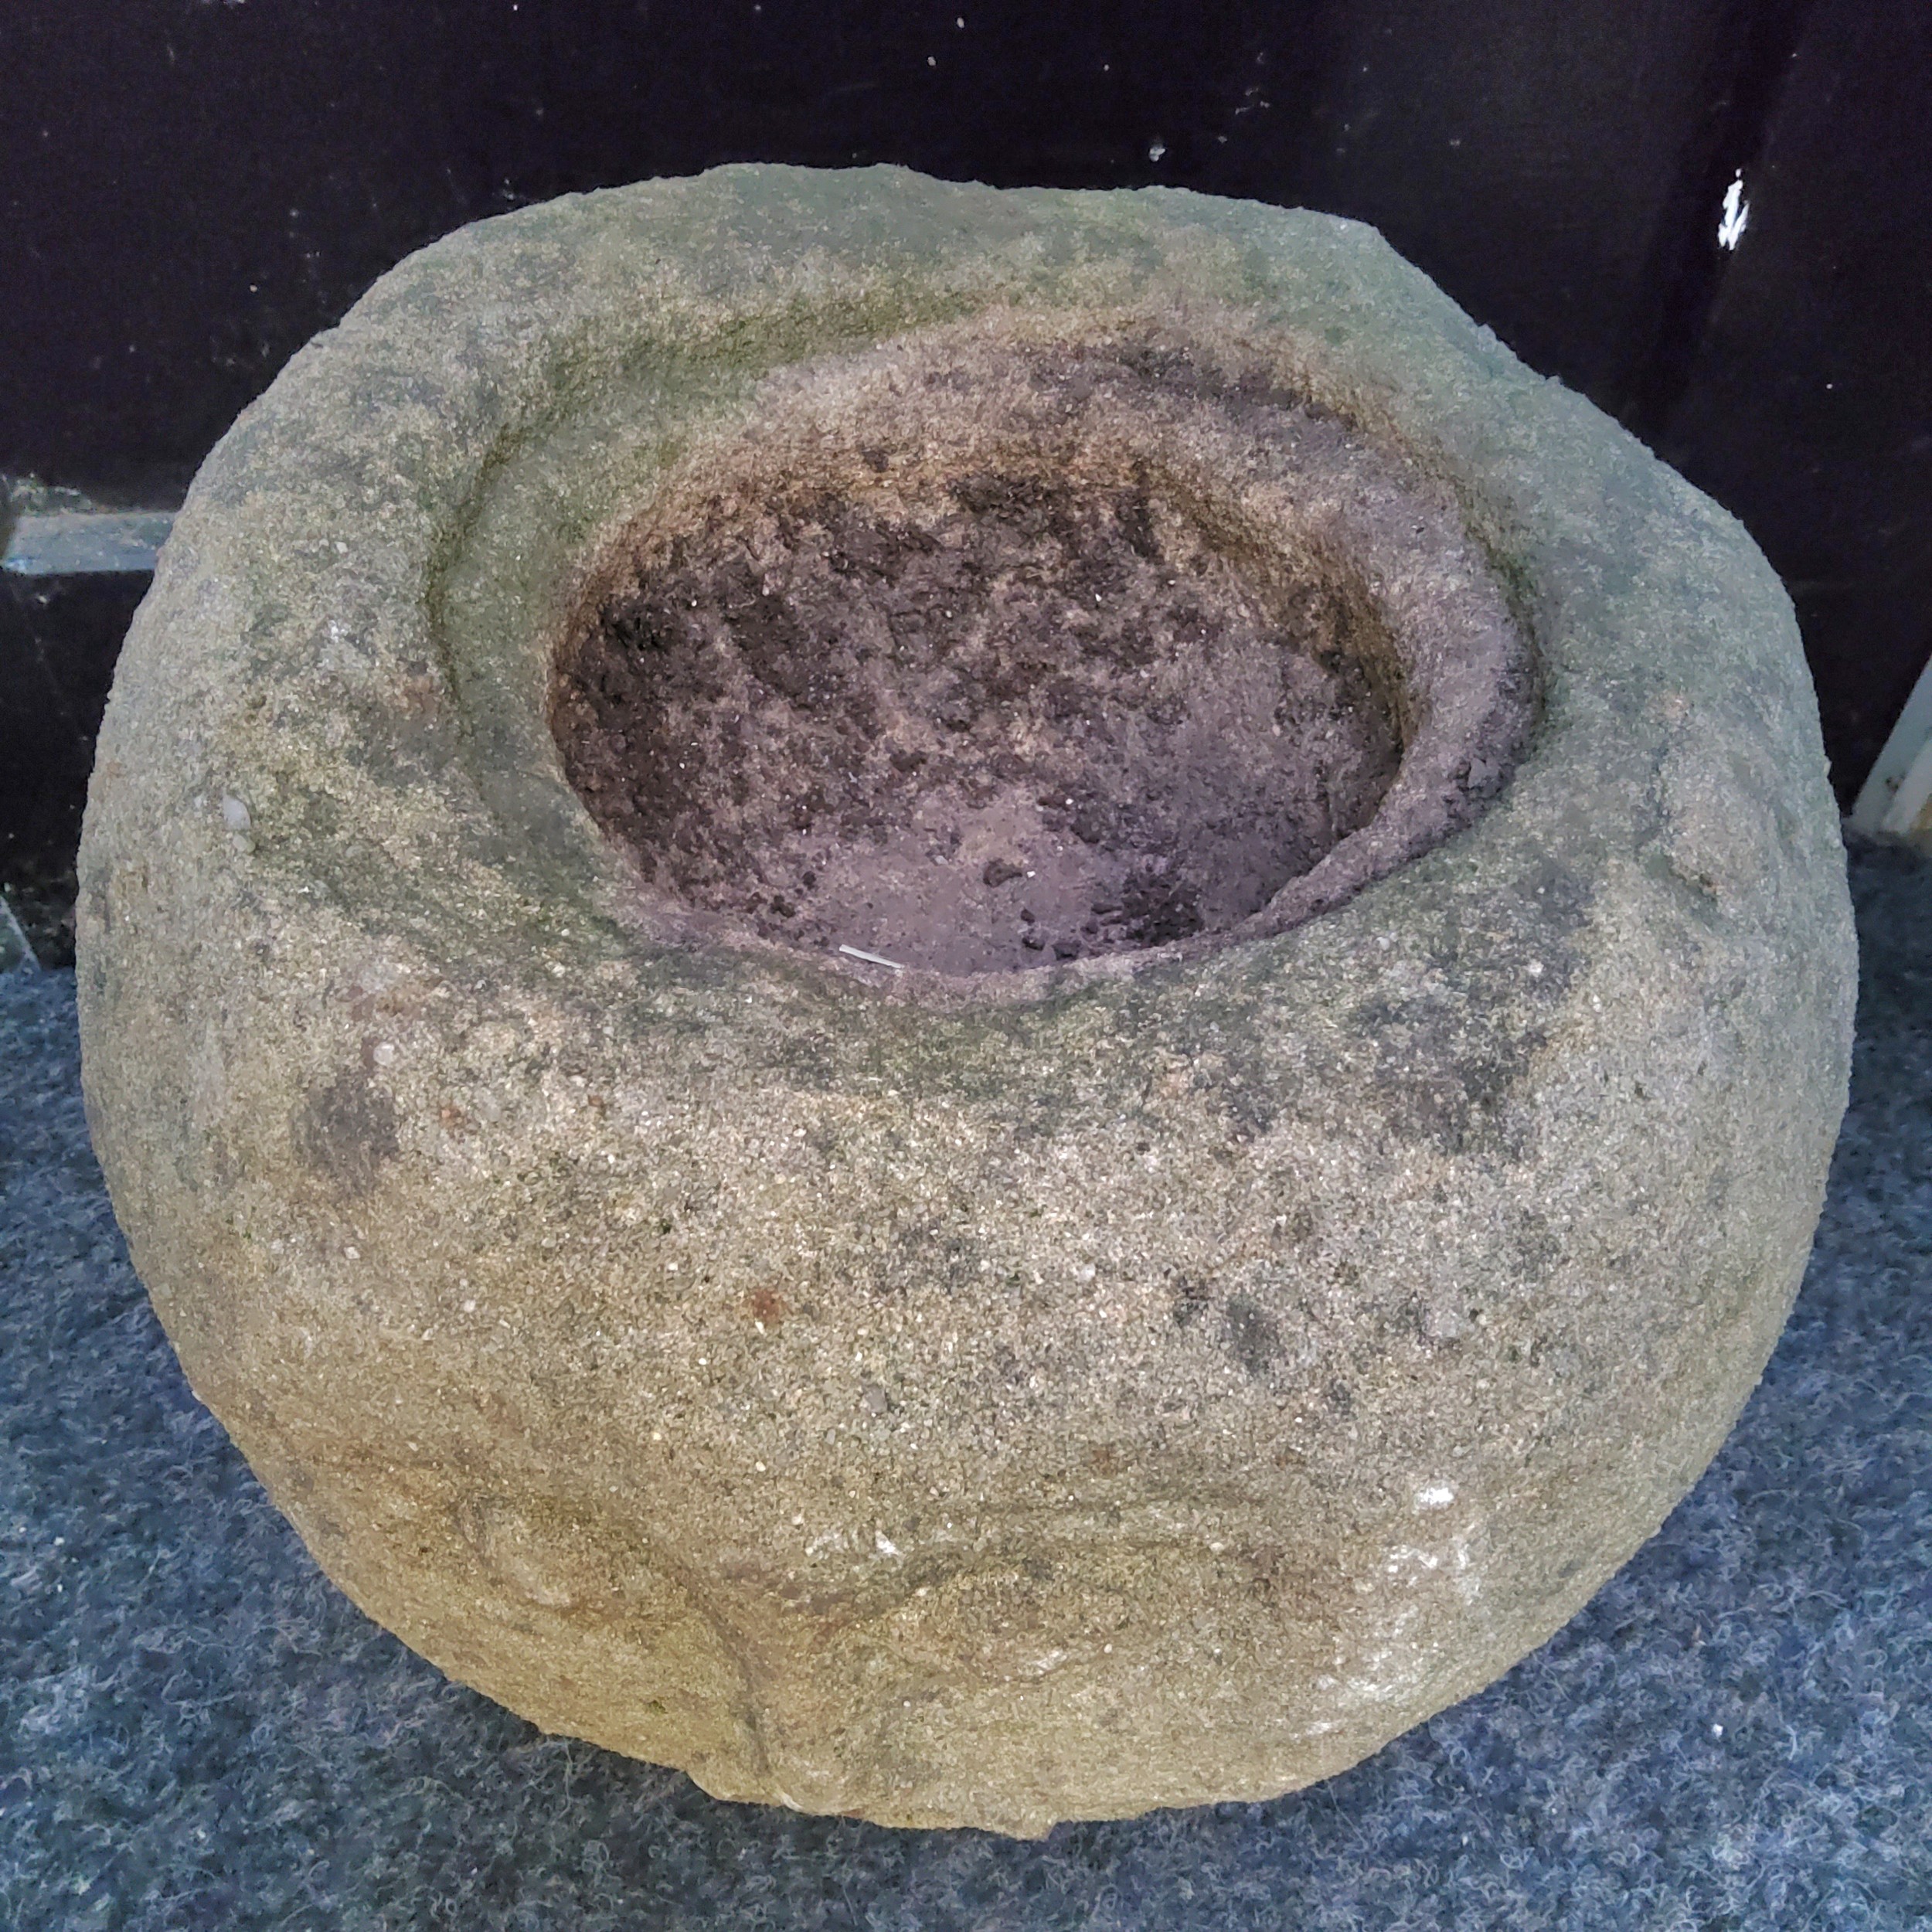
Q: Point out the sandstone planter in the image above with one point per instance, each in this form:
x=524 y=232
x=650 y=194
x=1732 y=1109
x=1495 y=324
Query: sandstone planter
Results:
x=1368 y=1012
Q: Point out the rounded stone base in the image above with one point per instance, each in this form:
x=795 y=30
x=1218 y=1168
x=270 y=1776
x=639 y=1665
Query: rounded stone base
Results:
x=979 y=1007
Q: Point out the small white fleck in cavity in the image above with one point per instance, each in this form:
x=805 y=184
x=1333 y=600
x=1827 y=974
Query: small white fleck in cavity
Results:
x=234 y=814
x=1737 y=214
x=1155 y=149
x=1435 y=1495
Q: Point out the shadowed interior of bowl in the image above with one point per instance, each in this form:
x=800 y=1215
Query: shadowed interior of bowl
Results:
x=1049 y=696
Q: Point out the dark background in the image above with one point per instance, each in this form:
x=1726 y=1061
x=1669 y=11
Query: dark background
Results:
x=189 y=189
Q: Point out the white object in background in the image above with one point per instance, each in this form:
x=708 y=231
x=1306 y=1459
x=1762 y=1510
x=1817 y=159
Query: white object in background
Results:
x=1896 y=801
x=1736 y=215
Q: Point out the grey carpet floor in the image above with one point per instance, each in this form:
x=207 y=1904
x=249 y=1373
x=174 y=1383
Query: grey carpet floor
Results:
x=196 y=1729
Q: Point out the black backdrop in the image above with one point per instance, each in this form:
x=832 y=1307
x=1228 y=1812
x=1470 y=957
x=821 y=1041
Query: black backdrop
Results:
x=191 y=188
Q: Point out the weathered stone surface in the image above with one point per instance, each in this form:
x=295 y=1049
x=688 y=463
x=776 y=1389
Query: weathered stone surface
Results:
x=1159 y=1383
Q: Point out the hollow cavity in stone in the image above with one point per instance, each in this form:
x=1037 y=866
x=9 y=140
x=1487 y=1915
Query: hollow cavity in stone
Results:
x=1029 y=685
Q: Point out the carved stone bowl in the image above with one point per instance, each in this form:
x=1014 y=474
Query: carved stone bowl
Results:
x=979 y=1007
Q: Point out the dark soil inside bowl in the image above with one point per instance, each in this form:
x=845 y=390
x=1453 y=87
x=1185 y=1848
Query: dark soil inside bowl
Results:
x=1026 y=722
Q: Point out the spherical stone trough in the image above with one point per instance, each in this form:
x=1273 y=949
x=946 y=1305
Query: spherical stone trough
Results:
x=977 y=1006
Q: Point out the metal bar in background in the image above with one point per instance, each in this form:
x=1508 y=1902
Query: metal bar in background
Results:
x=65 y=544
x=1896 y=799
x=14 y=951
x=72 y=573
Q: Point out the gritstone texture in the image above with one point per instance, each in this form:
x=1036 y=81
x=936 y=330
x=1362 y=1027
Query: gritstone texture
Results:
x=1155 y=1377
x=197 y=1730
